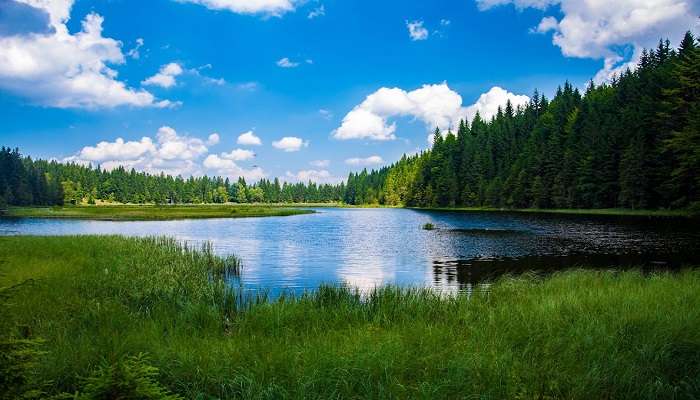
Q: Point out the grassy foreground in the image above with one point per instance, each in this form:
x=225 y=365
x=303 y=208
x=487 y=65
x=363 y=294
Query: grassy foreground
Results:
x=113 y=317
x=152 y=212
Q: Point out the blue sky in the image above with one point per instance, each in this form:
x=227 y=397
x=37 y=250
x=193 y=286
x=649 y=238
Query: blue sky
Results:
x=346 y=82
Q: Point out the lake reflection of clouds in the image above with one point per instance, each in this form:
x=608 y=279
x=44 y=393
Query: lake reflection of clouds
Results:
x=373 y=247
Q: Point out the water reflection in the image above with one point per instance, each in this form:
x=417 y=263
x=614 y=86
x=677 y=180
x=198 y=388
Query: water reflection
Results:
x=372 y=247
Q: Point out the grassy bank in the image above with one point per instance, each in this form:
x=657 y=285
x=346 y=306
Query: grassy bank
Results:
x=574 y=211
x=153 y=212
x=109 y=309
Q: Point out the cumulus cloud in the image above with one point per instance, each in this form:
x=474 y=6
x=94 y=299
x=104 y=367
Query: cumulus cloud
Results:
x=615 y=32
x=165 y=78
x=227 y=167
x=238 y=155
x=319 y=11
x=59 y=69
x=359 y=162
x=289 y=144
x=313 y=175
x=266 y=7
x=320 y=163
x=287 y=63
x=435 y=105
x=169 y=153
x=118 y=150
x=487 y=104
x=416 y=30
x=175 y=147
x=248 y=139
x=213 y=139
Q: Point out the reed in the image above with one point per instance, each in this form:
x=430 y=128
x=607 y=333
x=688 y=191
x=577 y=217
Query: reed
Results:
x=101 y=307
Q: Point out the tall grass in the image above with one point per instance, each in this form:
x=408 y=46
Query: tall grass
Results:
x=101 y=301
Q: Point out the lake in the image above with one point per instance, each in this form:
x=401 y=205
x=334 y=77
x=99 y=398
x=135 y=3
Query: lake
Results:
x=370 y=247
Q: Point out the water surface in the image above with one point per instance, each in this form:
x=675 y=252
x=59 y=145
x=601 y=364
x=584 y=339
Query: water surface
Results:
x=370 y=247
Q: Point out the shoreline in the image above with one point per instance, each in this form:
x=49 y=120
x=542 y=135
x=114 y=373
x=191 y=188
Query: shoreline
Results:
x=82 y=309
x=140 y=212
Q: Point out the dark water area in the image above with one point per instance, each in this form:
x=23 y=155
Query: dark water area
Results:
x=365 y=248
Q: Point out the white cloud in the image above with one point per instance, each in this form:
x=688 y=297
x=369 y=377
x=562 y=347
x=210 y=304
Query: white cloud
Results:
x=317 y=12
x=238 y=155
x=416 y=30
x=487 y=104
x=213 y=139
x=615 y=32
x=435 y=105
x=118 y=150
x=249 y=139
x=358 y=162
x=289 y=144
x=313 y=175
x=325 y=113
x=228 y=168
x=170 y=153
x=175 y=147
x=165 y=78
x=286 y=63
x=320 y=163
x=266 y=7
x=134 y=52
x=361 y=123
x=546 y=24
x=65 y=70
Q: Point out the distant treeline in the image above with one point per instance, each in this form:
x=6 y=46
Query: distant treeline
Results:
x=24 y=181
x=630 y=143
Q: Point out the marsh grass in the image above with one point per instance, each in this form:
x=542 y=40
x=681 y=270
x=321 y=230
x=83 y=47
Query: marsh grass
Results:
x=98 y=302
x=130 y=212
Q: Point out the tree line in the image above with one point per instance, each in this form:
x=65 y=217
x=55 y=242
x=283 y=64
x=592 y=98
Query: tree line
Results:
x=632 y=143
x=24 y=181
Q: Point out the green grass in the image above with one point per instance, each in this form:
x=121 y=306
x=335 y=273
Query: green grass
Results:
x=573 y=211
x=428 y=226
x=109 y=307
x=152 y=212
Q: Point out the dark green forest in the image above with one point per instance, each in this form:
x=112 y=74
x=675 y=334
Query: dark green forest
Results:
x=631 y=143
x=24 y=181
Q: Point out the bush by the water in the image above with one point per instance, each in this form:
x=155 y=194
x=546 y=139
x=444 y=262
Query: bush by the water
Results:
x=111 y=317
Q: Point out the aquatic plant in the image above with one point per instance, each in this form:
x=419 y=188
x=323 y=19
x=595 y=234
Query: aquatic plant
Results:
x=100 y=300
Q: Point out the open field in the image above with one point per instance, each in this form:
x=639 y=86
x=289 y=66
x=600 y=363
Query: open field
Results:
x=95 y=314
x=153 y=212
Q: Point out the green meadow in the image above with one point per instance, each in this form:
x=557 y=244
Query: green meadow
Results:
x=153 y=212
x=109 y=317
